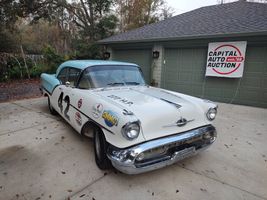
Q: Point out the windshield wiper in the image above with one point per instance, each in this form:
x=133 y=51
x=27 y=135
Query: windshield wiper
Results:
x=132 y=83
x=116 y=83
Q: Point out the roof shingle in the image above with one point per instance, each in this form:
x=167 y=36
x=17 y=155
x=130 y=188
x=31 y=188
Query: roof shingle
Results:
x=232 y=18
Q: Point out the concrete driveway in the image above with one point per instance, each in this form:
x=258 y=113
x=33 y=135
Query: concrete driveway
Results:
x=42 y=157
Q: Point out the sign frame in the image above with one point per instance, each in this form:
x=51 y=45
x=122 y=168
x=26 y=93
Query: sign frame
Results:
x=226 y=59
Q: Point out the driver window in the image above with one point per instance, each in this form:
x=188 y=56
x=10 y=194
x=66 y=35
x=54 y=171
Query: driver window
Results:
x=84 y=82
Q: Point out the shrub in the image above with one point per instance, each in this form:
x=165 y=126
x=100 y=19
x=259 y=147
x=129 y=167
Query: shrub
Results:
x=52 y=58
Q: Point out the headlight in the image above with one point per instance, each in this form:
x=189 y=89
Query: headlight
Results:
x=211 y=114
x=131 y=130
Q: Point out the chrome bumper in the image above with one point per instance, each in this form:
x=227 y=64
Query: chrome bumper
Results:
x=140 y=158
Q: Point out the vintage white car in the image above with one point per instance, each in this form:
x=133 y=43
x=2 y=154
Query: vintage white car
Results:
x=135 y=127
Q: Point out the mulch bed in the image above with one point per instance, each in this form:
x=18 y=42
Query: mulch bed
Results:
x=19 y=89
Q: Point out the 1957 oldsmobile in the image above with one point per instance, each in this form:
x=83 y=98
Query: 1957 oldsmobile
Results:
x=135 y=127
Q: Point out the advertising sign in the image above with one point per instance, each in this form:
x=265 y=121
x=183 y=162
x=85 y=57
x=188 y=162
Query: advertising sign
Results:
x=226 y=59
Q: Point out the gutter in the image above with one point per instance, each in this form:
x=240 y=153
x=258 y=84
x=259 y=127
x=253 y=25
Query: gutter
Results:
x=237 y=34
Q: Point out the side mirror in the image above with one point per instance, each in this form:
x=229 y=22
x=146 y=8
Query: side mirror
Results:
x=67 y=83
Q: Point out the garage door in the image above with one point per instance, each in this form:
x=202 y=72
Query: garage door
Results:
x=184 y=71
x=142 y=57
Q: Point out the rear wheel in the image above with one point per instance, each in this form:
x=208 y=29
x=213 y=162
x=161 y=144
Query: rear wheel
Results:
x=51 y=109
x=100 y=147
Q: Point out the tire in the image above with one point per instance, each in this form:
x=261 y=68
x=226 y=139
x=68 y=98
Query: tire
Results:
x=100 y=149
x=51 y=109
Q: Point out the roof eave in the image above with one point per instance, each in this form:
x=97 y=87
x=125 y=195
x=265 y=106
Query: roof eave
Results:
x=192 y=37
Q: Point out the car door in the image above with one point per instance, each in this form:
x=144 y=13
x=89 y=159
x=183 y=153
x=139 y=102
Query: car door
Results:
x=63 y=94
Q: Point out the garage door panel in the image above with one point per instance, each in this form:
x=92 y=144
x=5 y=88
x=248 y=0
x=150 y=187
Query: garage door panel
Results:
x=255 y=66
x=196 y=78
x=173 y=76
x=265 y=81
x=256 y=54
x=251 y=81
x=190 y=64
x=185 y=76
x=142 y=57
x=197 y=90
x=221 y=82
x=265 y=95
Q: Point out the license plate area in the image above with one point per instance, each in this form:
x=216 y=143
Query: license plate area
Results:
x=184 y=153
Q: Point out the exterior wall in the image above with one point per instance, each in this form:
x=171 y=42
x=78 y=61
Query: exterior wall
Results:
x=109 y=49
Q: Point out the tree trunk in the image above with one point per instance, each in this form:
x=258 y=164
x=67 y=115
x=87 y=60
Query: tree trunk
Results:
x=25 y=63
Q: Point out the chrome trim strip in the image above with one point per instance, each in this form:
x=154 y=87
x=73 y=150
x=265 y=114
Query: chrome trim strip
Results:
x=172 y=103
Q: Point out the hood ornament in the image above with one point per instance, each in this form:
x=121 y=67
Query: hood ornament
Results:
x=181 y=122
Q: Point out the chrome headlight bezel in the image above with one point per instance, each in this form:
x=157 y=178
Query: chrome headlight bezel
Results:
x=131 y=130
x=211 y=114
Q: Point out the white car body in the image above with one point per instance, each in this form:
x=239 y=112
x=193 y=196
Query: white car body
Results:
x=157 y=111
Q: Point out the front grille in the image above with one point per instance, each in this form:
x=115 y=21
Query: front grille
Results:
x=165 y=152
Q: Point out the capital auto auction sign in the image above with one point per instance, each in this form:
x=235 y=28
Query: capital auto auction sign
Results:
x=226 y=59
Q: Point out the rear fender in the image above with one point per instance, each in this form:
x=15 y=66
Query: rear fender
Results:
x=49 y=82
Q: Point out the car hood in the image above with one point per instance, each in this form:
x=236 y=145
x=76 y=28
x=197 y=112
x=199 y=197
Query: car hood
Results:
x=158 y=110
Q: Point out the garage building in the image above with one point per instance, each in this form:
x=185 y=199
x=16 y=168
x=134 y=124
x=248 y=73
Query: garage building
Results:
x=173 y=53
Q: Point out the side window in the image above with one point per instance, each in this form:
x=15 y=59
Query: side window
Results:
x=62 y=76
x=73 y=76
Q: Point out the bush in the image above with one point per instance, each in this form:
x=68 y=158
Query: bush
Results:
x=53 y=60
x=36 y=71
x=13 y=67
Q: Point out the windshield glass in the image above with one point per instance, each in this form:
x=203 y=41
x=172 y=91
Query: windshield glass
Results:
x=110 y=76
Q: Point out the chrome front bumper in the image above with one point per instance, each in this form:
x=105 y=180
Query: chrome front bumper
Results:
x=161 y=152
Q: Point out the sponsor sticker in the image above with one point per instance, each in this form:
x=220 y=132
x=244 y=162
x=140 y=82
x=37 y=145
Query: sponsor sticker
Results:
x=78 y=118
x=97 y=110
x=110 y=118
x=226 y=59
x=80 y=103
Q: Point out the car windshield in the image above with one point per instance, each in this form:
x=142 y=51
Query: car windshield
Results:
x=111 y=76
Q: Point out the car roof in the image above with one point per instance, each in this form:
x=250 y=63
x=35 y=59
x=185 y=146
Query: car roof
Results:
x=82 y=64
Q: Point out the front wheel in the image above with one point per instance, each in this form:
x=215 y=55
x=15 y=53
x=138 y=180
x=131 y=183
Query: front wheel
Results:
x=51 y=109
x=100 y=147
